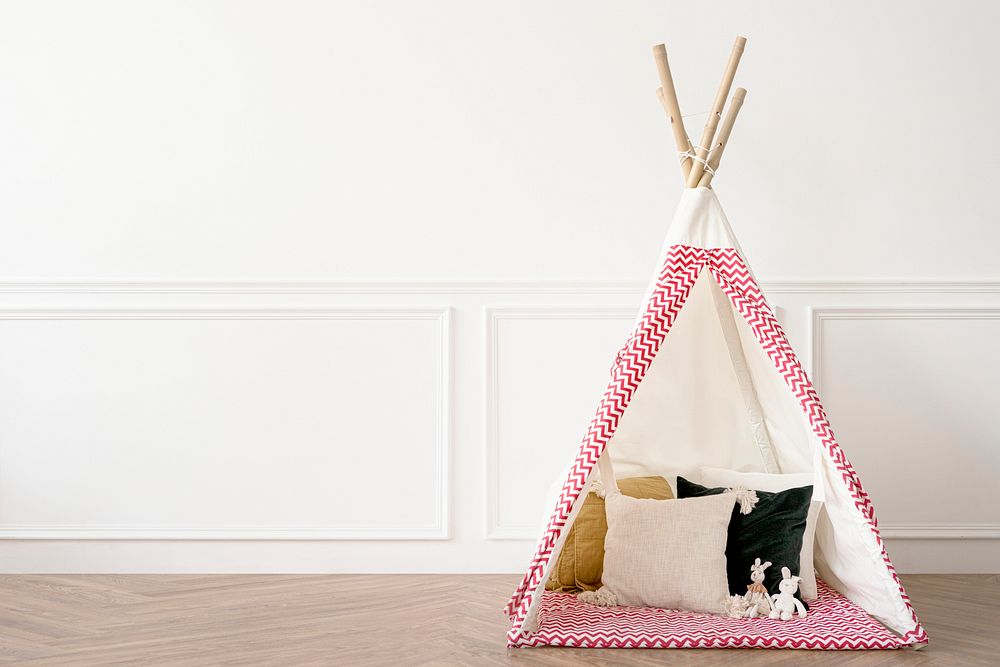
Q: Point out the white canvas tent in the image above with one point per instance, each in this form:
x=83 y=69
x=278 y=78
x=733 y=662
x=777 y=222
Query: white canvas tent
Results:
x=707 y=378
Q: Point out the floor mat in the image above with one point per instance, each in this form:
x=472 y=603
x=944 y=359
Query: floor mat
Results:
x=833 y=623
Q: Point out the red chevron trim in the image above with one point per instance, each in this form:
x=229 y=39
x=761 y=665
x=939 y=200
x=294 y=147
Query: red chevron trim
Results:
x=833 y=623
x=677 y=277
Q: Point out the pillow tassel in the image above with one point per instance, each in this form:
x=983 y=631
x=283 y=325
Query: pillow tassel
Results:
x=602 y=597
x=747 y=498
x=736 y=606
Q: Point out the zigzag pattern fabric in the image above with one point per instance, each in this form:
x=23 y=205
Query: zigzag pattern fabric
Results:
x=680 y=271
x=833 y=623
x=678 y=275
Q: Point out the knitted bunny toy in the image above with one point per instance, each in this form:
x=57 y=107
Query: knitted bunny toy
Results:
x=785 y=603
x=758 y=601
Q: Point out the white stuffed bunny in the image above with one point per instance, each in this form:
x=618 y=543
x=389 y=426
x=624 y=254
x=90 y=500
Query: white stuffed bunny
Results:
x=758 y=601
x=785 y=602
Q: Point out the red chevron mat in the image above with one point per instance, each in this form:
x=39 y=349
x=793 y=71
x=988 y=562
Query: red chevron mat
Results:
x=833 y=623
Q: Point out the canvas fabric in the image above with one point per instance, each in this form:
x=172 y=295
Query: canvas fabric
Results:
x=677 y=403
x=668 y=553
x=773 y=483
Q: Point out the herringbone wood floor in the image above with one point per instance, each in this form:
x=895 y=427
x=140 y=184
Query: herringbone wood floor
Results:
x=387 y=620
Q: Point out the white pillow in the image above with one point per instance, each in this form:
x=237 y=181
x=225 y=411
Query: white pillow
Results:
x=761 y=481
x=668 y=553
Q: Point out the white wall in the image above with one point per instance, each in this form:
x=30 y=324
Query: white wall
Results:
x=299 y=285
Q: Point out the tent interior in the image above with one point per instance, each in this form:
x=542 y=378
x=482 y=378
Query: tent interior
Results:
x=711 y=398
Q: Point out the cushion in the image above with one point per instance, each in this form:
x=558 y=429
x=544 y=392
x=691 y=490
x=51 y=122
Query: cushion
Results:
x=668 y=553
x=762 y=481
x=581 y=560
x=772 y=531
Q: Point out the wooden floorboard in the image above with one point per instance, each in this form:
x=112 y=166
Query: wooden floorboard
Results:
x=389 y=620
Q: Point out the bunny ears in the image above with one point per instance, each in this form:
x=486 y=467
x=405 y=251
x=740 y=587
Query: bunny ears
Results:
x=787 y=574
x=758 y=567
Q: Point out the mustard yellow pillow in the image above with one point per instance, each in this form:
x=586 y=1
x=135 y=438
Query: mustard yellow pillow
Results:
x=581 y=561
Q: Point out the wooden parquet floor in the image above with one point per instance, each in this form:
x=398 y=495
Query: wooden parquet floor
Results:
x=361 y=620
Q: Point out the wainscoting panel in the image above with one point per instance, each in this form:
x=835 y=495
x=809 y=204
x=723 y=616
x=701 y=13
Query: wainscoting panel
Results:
x=546 y=369
x=416 y=427
x=913 y=391
x=223 y=423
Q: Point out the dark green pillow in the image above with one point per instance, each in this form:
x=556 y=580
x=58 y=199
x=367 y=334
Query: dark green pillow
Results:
x=772 y=531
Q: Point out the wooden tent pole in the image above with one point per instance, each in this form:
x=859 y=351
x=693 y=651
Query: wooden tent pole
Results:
x=668 y=98
x=698 y=168
x=722 y=140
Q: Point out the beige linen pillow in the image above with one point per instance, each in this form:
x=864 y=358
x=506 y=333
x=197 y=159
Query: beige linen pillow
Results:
x=582 y=557
x=668 y=553
x=775 y=483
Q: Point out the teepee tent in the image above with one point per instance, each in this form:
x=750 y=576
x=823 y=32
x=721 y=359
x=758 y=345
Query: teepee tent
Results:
x=708 y=378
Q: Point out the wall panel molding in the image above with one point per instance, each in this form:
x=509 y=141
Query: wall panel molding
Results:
x=443 y=353
x=494 y=316
x=818 y=315
x=404 y=287
x=624 y=287
x=495 y=536
x=951 y=531
x=816 y=318
x=880 y=287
